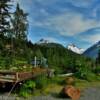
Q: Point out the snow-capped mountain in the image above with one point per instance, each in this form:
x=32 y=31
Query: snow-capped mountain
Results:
x=75 y=49
x=43 y=41
x=93 y=50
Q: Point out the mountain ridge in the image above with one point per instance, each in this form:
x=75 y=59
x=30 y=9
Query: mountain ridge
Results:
x=92 y=51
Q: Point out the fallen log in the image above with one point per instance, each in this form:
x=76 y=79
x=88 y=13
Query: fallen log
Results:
x=71 y=91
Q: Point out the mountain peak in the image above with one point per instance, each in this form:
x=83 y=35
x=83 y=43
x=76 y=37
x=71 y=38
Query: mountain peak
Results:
x=93 y=50
x=75 y=49
x=43 y=41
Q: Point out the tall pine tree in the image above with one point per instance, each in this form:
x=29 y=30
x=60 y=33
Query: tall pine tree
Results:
x=20 y=24
x=98 y=58
x=4 y=17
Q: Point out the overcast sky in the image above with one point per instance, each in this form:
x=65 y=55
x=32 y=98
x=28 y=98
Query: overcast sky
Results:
x=64 y=21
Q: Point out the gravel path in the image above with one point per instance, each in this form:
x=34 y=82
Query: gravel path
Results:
x=88 y=94
x=91 y=94
x=48 y=98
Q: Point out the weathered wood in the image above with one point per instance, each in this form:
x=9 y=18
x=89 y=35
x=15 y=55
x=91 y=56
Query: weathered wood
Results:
x=71 y=91
x=10 y=76
x=7 y=72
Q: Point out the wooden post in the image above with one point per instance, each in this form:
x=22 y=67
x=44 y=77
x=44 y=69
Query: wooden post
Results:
x=35 y=64
x=16 y=76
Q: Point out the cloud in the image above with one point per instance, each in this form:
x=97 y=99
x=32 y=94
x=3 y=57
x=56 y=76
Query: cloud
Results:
x=68 y=24
x=79 y=3
x=82 y=3
x=94 y=38
x=68 y=18
x=46 y=2
x=90 y=36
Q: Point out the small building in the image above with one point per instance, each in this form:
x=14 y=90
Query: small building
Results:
x=39 y=62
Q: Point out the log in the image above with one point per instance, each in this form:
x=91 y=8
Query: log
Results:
x=72 y=92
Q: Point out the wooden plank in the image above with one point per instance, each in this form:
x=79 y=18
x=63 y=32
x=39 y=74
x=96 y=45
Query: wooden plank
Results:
x=25 y=75
x=10 y=76
x=7 y=72
x=6 y=80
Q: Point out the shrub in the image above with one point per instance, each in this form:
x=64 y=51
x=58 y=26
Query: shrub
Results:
x=27 y=88
x=84 y=72
x=91 y=76
x=56 y=80
x=41 y=81
x=97 y=69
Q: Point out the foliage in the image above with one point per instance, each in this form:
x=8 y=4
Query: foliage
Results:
x=41 y=81
x=20 y=24
x=58 y=56
x=97 y=69
x=98 y=58
x=16 y=53
x=4 y=17
x=15 y=47
x=13 y=34
x=57 y=80
x=84 y=72
x=27 y=88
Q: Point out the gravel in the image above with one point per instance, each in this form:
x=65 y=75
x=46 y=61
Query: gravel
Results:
x=91 y=94
x=48 y=98
x=87 y=94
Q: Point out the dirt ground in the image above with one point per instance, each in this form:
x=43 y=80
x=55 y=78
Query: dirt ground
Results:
x=87 y=94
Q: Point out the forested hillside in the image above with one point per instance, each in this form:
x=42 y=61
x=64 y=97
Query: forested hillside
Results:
x=23 y=52
x=16 y=50
x=57 y=56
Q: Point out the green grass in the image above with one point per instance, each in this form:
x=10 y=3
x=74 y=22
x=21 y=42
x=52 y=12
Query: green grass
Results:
x=83 y=84
x=53 y=88
x=55 y=85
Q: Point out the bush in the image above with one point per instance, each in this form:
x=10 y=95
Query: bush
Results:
x=41 y=81
x=84 y=72
x=56 y=80
x=91 y=76
x=97 y=70
x=27 y=88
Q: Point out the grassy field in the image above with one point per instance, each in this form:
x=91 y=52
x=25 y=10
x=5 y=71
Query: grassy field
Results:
x=81 y=84
x=53 y=86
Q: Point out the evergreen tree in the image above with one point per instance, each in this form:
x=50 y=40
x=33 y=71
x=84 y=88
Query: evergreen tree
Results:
x=20 y=24
x=98 y=58
x=4 y=17
x=38 y=54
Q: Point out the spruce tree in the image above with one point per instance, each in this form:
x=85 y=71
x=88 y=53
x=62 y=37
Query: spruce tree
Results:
x=20 y=24
x=98 y=58
x=4 y=17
